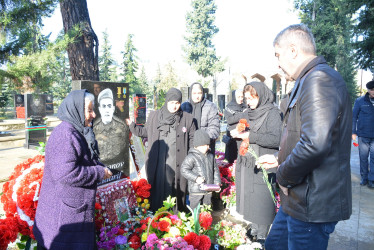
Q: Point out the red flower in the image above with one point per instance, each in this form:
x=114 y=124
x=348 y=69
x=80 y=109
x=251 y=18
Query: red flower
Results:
x=192 y=239
x=205 y=220
x=134 y=241
x=221 y=233
x=97 y=206
x=164 y=226
x=244 y=121
x=120 y=231
x=244 y=147
x=355 y=144
x=240 y=127
x=204 y=243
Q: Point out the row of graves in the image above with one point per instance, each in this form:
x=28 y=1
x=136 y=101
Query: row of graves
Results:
x=123 y=219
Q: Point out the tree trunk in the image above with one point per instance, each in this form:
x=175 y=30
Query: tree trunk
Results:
x=83 y=53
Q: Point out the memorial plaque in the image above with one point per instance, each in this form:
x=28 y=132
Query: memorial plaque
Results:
x=209 y=97
x=49 y=104
x=36 y=129
x=221 y=102
x=19 y=104
x=109 y=126
x=185 y=93
x=140 y=108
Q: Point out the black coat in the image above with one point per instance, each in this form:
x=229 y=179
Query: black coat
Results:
x=184 y=134
x=196 y=165
x=253 y=198
x=315 y=148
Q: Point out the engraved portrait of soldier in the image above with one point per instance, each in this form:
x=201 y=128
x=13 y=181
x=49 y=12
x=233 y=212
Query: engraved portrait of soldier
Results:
x=112 y=134
x=36 y=105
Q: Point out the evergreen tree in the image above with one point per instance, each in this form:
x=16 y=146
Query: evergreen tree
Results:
x=158 y=97
x=364 y=31
x=200 y=51
x=145 y=86
x=130 y=66
x=62 y=87
x=106 y=61
x=332 y=28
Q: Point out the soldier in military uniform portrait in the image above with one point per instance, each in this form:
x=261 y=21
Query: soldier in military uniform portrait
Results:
x=112 y=134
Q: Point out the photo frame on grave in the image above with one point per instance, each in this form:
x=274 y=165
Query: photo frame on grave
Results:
x=109 y=126
x=35 y=127
x=117 y=200
x=49 y=104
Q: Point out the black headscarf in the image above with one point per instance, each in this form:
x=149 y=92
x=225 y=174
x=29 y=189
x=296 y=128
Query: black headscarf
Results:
x=197 y=107
x=265 y=103
x=167 y=119
x=72 y=110
x=234 y=106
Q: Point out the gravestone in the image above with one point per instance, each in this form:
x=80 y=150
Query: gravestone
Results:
x=140 y=108
x=35 y=125
x=49 y=104
x=221 y=102
x=209 y=97
x=110 y=128
x=185 y=93
x=19 y=104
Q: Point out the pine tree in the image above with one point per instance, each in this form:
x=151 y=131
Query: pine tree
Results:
x=106 y=61
x=200 y=51
x=364 y=32
x=130 y=66
x=332 y=28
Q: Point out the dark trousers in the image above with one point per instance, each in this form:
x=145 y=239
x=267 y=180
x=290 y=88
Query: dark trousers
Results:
x=200 y=199
x=293 y=234
x=366 y=149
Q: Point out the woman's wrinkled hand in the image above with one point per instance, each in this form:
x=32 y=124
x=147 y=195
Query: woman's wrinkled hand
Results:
x=108 y=173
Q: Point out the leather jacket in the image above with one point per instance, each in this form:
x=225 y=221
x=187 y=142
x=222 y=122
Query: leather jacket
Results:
x=197 y=164
x=315 y=147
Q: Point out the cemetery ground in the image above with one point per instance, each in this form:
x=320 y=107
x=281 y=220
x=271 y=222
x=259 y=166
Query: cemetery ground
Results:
x=355 y=233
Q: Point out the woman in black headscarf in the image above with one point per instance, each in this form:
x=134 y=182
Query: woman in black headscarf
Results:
x=233 y=108
x=253 y=198
x=66 y=208
x=170 y=136
x=205 y=113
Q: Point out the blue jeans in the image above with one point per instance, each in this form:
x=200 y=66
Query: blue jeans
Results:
x=366 y=146
x=293 y=234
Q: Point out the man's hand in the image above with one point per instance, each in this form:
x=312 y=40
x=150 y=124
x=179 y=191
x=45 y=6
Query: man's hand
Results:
x=108 y=173
x=200 y=180
x=267 y=161
x=284 y=190
x=354 y=137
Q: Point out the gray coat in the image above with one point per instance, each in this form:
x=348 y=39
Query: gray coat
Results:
x=196 y=165
x=185 y=131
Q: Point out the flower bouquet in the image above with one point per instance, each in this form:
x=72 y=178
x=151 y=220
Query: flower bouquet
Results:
x=20 y=199
x=230 y=235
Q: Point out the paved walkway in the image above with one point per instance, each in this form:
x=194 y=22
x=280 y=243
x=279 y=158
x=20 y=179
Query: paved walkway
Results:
x=357 y=233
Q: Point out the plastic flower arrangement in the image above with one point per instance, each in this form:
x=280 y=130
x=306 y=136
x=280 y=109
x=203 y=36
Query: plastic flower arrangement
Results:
x=230 y=235
x=20 y=199
x=153 y=242
x=142 y=192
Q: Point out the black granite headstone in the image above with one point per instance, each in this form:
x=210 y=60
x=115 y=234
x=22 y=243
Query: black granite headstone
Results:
x=221 y=102
x=110 y=128
x=49 y=104
x=19 y=100
x=36 y=128
x=140 y=108
x=209 y=97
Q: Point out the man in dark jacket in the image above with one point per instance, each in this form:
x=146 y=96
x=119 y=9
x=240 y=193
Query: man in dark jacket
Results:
x=314 y=158
x=363 y=127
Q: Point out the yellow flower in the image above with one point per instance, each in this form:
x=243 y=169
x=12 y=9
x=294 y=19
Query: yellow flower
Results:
x=146 y=201
x=147 y=206
x=139 y=199
x=143 y=205
x=144 y=237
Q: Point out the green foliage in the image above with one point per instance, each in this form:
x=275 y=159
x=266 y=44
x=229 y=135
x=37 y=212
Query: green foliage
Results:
x=20 y=23
x=106 y=62
x=62 y=86
x=130 y=66
x=331 y=25
x=144 y=85
x=200 y=51
x=364 y=32
x=41 y=148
